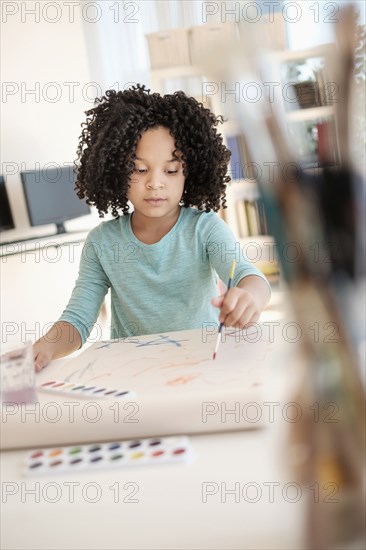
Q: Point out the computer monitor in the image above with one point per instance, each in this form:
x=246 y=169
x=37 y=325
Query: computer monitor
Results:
x=51 y=198
x=6 y=217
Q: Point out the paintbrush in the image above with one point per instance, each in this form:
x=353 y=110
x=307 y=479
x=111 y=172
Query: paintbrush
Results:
x=232 y=270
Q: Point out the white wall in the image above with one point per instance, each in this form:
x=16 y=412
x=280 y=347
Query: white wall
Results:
x=42 y=127
x=312 y=23
x=36 y=131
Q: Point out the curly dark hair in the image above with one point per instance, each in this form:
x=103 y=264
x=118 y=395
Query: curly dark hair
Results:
x=106 y=151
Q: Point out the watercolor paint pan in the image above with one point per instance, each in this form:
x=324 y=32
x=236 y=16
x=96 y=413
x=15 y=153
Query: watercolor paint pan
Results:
x=115 y=454
x=85 y=390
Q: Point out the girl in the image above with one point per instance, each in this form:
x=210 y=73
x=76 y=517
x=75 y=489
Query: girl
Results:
x=163 y=155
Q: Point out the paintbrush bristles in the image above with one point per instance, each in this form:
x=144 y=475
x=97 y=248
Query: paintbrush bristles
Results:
x=217 y=343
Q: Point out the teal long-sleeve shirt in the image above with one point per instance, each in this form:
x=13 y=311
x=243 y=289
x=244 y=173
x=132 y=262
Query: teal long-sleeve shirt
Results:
x=160 y=287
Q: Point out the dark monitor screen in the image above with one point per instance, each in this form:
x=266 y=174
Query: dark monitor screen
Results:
x=6 y=218
x=51 y=198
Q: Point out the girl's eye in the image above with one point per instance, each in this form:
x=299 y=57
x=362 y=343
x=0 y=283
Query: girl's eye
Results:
x=144 y=170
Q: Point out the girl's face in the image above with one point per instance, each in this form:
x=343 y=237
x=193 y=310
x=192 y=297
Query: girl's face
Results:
x=157 y=183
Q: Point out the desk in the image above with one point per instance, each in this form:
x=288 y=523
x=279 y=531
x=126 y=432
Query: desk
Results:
x=236 y=493
x=167 y=507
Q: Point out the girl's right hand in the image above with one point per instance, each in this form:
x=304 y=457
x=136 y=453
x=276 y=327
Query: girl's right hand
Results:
x=42 y=356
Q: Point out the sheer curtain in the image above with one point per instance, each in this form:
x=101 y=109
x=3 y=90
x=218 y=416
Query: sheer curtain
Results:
x=116 y=43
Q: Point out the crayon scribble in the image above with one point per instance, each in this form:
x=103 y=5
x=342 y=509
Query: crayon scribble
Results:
x=163 y=339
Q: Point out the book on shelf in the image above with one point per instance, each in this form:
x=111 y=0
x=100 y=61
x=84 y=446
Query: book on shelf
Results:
x=251 y=212
x=236 y=160
x=327 y=149
x=251 y=218
x=250 y=224
x=242 y=219
x=240 y=166
x=315 y=142
x=262 y=218
x=249 y=170
x=246 y=214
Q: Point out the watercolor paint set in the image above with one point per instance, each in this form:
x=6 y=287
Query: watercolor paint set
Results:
x=84 y=390
x=117 y=454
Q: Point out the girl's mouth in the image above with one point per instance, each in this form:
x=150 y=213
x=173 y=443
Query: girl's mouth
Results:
x=155 y=202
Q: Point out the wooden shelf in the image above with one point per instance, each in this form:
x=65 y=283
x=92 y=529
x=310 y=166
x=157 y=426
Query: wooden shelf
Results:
x=295 y=55
x=300 y=115
x=260 y=250
x=242 y=190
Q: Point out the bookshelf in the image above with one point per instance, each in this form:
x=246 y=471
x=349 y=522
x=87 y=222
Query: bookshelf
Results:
x=311 y=123
x=308 y=116
x=242 y=194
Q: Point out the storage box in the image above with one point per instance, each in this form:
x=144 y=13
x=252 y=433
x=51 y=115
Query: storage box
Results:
x=210 y=39
x=169 y=48
x=307 y=94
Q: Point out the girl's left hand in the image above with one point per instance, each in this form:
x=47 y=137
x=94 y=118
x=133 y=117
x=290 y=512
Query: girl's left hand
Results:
x=238 y=308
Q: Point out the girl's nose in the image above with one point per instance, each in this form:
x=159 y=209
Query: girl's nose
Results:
x=154 y=182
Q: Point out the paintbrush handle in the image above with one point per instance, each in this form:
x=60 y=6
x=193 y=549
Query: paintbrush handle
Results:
x=232 y=269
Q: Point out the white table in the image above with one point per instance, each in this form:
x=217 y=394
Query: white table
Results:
x=180 y=506
x=236 y=493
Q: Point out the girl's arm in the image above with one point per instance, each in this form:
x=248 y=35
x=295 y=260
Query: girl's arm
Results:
x=244 y=303
x=61 y=340
x=74 y=326
x=258 y=288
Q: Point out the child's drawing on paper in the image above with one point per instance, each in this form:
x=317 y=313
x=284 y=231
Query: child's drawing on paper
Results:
x=167 y=362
